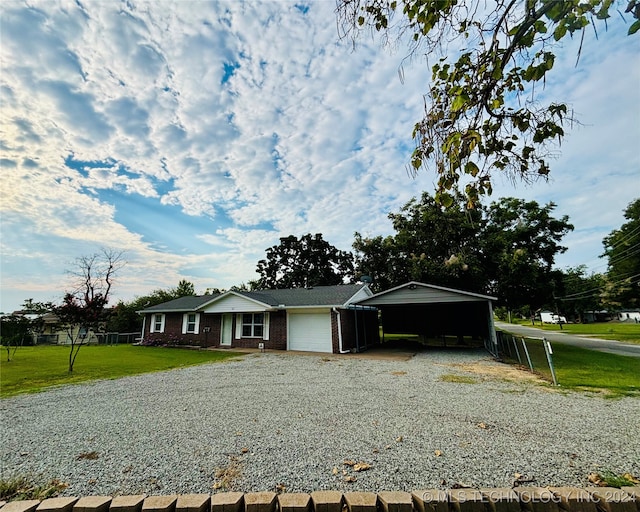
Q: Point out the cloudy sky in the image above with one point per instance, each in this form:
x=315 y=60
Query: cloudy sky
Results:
x=193 y=134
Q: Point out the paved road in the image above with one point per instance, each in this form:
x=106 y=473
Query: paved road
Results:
x=613 y=347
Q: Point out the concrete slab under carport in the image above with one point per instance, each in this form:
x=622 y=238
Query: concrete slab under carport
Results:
x=433 y=311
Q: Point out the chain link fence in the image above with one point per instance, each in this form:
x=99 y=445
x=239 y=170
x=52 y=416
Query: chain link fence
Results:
x=534 y=354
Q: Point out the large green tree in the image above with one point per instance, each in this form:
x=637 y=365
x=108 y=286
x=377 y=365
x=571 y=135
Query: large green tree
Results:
x=579 y=292
x=432 y=244
x=622 y=249
x=378 y=258
x=483 y=113
x=507 y=249
x=307 y=261
x=17 y=330
x=519 y=243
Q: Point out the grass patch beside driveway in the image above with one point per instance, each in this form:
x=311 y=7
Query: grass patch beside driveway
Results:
x=36 y=368
x=617 y=331
x=579 y=368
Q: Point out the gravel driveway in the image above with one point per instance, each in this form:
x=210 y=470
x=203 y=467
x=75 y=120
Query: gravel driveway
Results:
x=292 y=420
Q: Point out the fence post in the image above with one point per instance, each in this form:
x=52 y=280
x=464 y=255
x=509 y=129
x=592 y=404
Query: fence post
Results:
x=548 y=351
x=526 y=351
x=515 y=345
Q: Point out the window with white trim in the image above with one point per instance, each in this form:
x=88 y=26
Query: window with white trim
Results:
x=252 y=325
x=190 y=323
x=157 y=322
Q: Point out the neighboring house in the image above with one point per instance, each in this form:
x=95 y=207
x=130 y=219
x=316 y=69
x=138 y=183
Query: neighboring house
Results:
x=629 y=316
x=318 y=319
x=548 y=317
x=53 y=331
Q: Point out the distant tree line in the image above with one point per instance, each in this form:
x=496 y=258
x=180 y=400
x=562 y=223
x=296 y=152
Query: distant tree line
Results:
x=506 y=249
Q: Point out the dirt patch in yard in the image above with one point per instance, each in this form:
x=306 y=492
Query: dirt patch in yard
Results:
x=491 y=370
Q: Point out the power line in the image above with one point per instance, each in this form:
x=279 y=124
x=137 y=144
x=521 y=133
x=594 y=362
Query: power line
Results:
x=635 y=249
x=626 y=236
x=586 y=293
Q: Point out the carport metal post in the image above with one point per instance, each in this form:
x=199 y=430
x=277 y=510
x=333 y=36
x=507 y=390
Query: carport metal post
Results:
x=355 y=316
x=493 y=338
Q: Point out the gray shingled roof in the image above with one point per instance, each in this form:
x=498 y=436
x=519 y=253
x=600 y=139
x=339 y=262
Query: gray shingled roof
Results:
x=317 y=296
x=336 y=295
x=189 y=303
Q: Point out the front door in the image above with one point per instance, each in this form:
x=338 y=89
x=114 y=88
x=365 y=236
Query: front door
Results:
x=227 y=330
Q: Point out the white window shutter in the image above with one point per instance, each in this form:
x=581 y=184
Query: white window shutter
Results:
x=162 y=319
x=239 y=326
x=265 y=327
x=197 y=330
x=152 y=325
x=185 y=319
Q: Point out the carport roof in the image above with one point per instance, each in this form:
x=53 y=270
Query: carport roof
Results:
x=422 y=293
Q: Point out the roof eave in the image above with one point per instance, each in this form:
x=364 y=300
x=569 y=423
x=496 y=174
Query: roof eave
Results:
x=425 y=285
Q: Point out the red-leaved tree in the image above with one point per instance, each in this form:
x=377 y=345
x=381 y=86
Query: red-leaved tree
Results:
x=82 y=311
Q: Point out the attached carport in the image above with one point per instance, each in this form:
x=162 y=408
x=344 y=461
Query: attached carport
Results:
x=435 y=312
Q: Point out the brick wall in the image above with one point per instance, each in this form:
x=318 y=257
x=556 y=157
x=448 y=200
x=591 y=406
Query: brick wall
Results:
x=211 y=338
x=518 y=499
x=173 y=331
x=367 y=329
x=277 y=334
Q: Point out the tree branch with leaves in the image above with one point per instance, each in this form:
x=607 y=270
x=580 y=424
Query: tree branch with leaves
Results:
x=482 y=115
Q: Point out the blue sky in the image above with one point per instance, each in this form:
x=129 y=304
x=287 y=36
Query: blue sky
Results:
x=193 y=135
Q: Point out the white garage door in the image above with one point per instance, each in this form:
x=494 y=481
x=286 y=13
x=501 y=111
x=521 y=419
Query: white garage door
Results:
x=310 y=332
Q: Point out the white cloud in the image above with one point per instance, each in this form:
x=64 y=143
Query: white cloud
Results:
x=251 y=115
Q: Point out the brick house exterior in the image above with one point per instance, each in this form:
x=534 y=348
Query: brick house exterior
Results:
x=320 y=319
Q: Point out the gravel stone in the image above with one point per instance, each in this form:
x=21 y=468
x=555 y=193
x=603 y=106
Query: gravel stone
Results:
x=276 y=421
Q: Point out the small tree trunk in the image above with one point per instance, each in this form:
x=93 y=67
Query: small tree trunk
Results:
x=71 y=358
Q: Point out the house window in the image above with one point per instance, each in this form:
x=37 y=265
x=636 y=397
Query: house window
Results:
x=157 y=323
x=190 y=323
x=252 y=325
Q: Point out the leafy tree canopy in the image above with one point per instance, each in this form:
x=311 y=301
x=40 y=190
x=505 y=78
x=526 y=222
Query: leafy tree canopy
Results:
x=622 y=249
x=432 y=244
x=304 y=262
x=15 y=331
x=482 y=114
x=506 y=250
x=184 y=289
x=519 y=242
x=580 y=292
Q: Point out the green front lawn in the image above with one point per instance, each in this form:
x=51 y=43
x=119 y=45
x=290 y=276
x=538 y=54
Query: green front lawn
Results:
x=617 y=331
x=627 y=332
x=583 y=369
x=33 y=369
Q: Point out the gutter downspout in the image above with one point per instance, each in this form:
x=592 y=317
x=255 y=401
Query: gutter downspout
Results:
x=339 y=333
